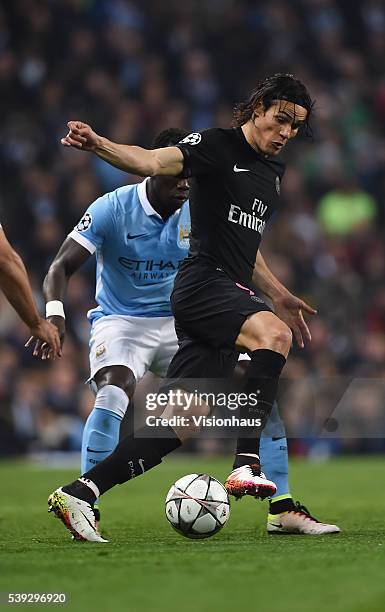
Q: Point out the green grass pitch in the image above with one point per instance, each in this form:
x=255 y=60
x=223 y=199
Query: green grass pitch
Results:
x=148 y=567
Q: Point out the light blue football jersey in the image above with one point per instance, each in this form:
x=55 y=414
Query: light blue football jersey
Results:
x=137 y=253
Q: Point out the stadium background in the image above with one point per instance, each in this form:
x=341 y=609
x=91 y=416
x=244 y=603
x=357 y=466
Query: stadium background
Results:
x=131 y=69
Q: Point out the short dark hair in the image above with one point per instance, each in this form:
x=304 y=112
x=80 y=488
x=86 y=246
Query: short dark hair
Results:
x=280 y=86
x=169 y=137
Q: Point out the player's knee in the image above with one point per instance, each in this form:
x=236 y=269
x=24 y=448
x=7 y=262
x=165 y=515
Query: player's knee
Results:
x=188 y=412
x=195 y=415
x=273 y=334
x=241 y=370
x=192 y=406
x=280 y=337
x=200 y=409
x=118 y=376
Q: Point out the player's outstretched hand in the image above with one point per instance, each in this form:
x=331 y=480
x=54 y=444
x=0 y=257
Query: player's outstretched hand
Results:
x=290 y=309
x=46 y=338
x=80 y=136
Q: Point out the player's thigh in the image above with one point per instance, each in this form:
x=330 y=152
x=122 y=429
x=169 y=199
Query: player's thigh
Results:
x=212 y=308
x=122 y=341
x=168 y=346
x=196 y=360
x=264 y=330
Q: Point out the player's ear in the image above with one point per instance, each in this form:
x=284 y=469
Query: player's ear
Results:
x=257 y=111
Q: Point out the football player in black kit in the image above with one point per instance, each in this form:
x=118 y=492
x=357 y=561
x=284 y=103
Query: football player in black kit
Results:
x=234 y=191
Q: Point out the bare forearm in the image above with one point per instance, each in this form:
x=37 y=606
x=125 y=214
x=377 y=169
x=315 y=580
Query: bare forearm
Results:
x=265 y=280
x=15 y=285
x=165 y=161
x=137 y=160
x=71 y=257
x=55 y=283
x=128 y=158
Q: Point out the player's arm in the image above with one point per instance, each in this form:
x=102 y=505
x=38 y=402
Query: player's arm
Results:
x=16 y=287
x=287 y=306
x=69 y=258
x=130 y=158
x=265 y=280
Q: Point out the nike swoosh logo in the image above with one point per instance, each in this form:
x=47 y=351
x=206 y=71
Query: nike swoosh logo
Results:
x=236 y=169
x=141 y=463
x=89 y=522
x=91 y=450
x=131 y=237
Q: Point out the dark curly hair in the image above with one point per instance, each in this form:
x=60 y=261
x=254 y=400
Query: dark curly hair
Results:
x=280 y=86
x=169 y=137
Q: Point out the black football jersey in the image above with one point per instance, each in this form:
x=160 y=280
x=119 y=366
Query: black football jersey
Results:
x=233 y=192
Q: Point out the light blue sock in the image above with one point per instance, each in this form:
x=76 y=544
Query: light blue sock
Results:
x=100 y=437
x=101 y=431
x=273 y=453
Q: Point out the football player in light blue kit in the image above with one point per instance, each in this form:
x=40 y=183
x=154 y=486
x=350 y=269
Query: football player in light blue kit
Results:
x=139 y=234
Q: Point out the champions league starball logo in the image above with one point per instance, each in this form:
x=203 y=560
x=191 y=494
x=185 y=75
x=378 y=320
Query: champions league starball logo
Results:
x=192 y=139
x=84 y=223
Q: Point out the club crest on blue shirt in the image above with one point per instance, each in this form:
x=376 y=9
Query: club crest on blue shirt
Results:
x=184 y=235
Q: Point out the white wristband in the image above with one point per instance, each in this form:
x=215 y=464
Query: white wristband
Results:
x=54 y=308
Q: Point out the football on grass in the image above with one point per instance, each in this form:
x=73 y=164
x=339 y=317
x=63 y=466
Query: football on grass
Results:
x=197 y=506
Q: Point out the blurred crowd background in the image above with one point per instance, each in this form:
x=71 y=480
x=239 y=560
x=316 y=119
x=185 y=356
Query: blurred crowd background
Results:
x=132 y=68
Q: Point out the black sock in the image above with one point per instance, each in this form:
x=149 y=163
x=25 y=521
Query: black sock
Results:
x=80 y=490
x=133 y=456
x=246 y=459
x=263 y=376
x=282 y=505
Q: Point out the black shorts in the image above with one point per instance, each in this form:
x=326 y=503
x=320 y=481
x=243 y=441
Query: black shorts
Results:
x=209 y=310
x=209 y=307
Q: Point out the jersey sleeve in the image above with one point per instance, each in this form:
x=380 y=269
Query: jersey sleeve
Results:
x=201 y=152
x=96 y=223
